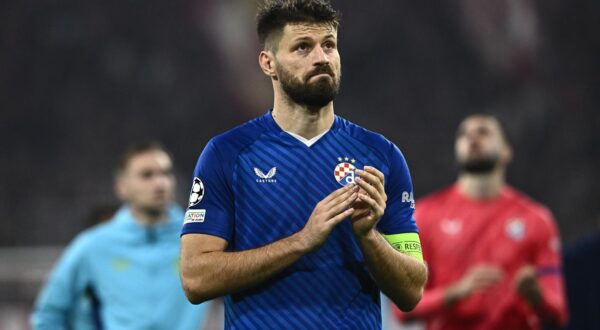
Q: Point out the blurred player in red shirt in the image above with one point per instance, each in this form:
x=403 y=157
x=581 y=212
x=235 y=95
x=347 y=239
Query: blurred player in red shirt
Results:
x=493 y=253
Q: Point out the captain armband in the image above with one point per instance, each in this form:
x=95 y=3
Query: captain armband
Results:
x=407 y=243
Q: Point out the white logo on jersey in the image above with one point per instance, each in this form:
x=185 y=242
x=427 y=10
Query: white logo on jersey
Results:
x=408 y=198
x=197 y=192
x=515 y=229
x=194 y=216
x=451 y=226
x=266 y=177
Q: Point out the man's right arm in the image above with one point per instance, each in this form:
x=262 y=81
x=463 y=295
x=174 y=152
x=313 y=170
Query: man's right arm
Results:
x=58 y=296
x=208 y=271
x=435 y=300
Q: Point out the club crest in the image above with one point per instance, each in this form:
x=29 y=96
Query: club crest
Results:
x=345 y=171
x=451 y=227
x=515 y=229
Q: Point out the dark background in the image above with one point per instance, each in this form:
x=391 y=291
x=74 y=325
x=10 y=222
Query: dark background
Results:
x=82 y=79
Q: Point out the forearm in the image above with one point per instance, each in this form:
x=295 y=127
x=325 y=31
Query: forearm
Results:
x=431 y=304
x=436 y=300
x=549 y=313
x=218 y=273
x=399 y=276
x=550 y=305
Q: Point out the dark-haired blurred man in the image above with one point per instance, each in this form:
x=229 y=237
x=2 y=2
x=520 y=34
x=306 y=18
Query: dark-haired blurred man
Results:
x=128 y=266
x=300 y=217
x=493 y=253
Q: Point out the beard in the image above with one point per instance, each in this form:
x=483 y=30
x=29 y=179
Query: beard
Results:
x=313 y=95
x=480 y=165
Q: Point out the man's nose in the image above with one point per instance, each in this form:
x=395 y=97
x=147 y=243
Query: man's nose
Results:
x=319 y=56
x=160 y=180
x=472 y=136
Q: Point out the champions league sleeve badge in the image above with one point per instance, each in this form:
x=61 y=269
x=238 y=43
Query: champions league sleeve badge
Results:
x=345 y=171
x=197 y=192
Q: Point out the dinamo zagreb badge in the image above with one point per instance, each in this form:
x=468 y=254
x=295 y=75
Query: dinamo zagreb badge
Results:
x=345 y=171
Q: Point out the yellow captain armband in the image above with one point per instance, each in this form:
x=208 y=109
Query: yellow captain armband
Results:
x=407 y=243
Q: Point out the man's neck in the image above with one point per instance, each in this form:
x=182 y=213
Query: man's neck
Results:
x=301 y=120
x=481 y=186
x=146 y=217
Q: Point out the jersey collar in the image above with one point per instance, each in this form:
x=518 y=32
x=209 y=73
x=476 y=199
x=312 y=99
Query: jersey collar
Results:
x=268 y=118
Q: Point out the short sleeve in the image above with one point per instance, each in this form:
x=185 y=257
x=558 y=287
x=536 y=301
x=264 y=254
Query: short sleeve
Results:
x=210 y=205
x=547 y=260
x=547 y=246
x=398 y=216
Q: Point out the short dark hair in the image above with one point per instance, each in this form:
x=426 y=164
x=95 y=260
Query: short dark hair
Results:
x=137 y=149
x=274 y=15
x=494 y=117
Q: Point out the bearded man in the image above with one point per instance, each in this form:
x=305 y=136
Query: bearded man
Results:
x=492 y=252
x=300 y=217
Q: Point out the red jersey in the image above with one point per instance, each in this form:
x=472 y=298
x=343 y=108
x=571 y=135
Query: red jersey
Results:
x=510 y=231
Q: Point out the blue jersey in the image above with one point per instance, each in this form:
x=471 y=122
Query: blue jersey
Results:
x=257 y=184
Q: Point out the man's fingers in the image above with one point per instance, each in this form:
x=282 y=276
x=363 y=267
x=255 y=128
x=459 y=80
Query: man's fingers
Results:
x=375 y=172
x=371 y=191
x=340 y=217
x=336 y=194
x=357 y=214
x=342 y=197
x=486 y=281
x=372 y=180
x=343 y=204
x=369 y=177
x=371 y=202
x=484 y=278
x=483 y=283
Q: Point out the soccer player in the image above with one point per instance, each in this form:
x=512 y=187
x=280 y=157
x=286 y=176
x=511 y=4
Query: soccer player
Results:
x=128 y=266
x=492 y=252
x=299 y=217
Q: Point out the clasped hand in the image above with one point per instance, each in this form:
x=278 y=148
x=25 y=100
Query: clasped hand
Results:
x=371 y=201
x=363 y=201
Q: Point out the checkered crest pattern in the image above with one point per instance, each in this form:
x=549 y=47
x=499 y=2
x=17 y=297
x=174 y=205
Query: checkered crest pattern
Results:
x=342 y=170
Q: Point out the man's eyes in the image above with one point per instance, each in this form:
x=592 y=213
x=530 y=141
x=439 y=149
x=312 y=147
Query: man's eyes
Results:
x=302 y=46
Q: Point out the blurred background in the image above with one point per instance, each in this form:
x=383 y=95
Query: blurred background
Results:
x=81 y=80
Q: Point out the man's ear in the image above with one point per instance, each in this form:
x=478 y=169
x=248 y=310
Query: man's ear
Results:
x=120 y=189
x=507 y=154
x=266 y=60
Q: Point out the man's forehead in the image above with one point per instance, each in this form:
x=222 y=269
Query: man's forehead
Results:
x=150 y=158
x=479 y=121
x=299 y=30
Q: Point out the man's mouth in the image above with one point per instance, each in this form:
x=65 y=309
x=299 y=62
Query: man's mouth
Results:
x=322 y=71
x=319 y=75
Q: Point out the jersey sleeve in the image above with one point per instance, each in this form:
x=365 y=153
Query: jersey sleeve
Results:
x=58 y=298
x=398 y=217
x=547 y=260
x=432 y=301
x=210 y=206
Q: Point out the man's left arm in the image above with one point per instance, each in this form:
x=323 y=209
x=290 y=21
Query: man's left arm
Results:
x=541 y=284
x=401 y=276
